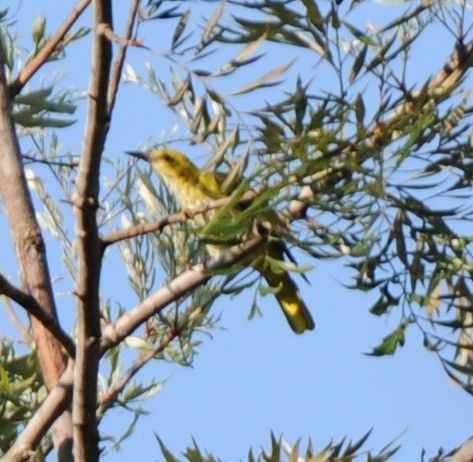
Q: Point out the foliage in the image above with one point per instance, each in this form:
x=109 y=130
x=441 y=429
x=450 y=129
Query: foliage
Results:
x=368 y=166
x=390 y=181
x=21 y=391
x=282 y=451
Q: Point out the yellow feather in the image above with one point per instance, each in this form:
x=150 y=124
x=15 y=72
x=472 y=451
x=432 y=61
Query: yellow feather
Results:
x=192 y=188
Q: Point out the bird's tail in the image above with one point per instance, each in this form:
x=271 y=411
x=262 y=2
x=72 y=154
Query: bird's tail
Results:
x=287 y=295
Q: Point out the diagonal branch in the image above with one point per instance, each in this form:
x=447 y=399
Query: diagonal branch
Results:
x=29 y=303
x=108 y=398
x=52 y=407
x=60 y=396
x=199 y=274
x=17 y=85
x=465 y=453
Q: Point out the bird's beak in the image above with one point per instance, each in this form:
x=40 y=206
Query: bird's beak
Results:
x=139 y=155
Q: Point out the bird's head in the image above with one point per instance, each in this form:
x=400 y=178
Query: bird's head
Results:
x=171 y=166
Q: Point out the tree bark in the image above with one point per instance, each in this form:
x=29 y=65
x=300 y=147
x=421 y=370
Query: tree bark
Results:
x=31 y=256
x=89 y=246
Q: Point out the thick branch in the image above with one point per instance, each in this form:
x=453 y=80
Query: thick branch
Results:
x=464 y=454
x=199 y=274
x=89 y=248
x=29 y=246
x=29 y=303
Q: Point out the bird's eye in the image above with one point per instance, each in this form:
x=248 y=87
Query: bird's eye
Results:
x=167 y=158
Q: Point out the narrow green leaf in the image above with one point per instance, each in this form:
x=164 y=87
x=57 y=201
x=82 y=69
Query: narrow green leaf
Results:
x=361 y=36
x=266 y=80
x=360 y=109
x=181 y=25
x=390 y=343
x=34 y=98
x=165 y=451
x=358 y=63
x=314 y=15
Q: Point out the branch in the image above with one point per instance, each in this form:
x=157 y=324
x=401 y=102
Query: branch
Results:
x=89 y=248
x=199 y=274
x=179 y=217
x=70 y=165
x=441 y=84
x=465 y=453
x=108 y=398
x=60 y=396
x=30 y=304
x=452 y=72
x=16 y=322
x=52 y=407
x=30 y=248
x=117 y=68
x=17 y=85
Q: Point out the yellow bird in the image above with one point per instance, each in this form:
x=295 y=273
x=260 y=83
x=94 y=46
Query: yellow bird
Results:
x=193 y=188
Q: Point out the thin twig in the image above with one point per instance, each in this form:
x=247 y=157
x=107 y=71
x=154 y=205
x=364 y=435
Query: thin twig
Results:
x=118 y=66
x=15 y=320
x=32 y=67
x=179 y=217
x=56 y=163
x=108 y=398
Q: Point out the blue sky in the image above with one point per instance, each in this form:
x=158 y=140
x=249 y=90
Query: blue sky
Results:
x=256 y=376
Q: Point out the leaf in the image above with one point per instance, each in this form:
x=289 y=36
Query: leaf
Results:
x=314 y=15
x=380 y=56
x=167 y=14
x=138 y=392
x=399 y=238
x=351 y=449
x=39 y=27
x=268 y=290
x=181 y=25
x=212 y=23
x=266 y=80
x=165 y=451
x=34 y=98
x=3 y=13
x=43 y=122
x=248 y=50
x=137 y=343
x=390 y=343
x=360 y=109
x=280 y=267
x=181 y=89
x=243 y=58
x=361 y=36
x=381 y=306
x=358 y=63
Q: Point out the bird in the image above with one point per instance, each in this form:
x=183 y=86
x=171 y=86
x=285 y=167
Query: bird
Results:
x=192 y=188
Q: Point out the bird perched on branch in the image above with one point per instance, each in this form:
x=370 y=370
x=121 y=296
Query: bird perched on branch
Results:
x=193 y=188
